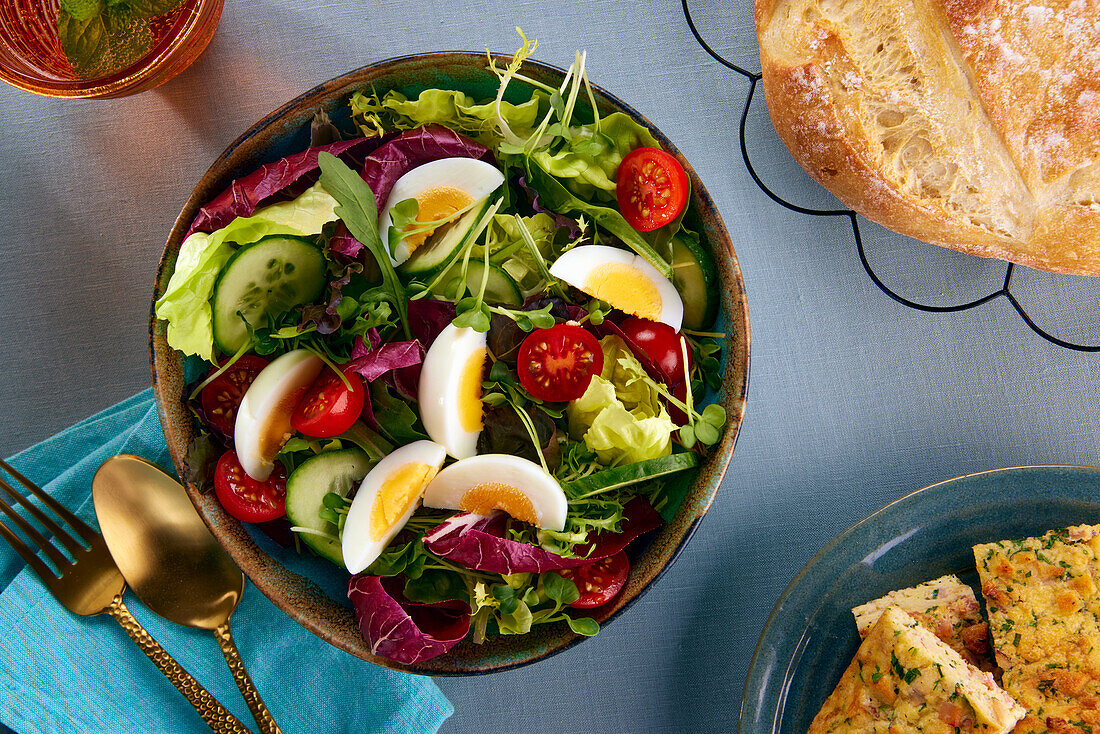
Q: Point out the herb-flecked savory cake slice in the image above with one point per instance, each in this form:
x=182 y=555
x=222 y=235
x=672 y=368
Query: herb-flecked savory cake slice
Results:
x=905 y=680
x=947 y=607
x=1041 y=595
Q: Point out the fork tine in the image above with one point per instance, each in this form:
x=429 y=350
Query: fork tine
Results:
x=59 y=532
x=36 y=537
x=59 y=509
x=48 y=577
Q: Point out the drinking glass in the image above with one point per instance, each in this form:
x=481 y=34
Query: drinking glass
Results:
x=33 y=58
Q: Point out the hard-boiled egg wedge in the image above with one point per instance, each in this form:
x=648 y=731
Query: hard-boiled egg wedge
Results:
x=624 y=280
x=386 y=499
x=440 y=188
x=490 y=482
x=263 y=420
x=450 y=389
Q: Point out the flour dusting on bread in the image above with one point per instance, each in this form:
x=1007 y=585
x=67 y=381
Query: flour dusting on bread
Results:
x=967 y=123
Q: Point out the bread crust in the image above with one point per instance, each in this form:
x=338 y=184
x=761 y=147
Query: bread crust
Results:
x=815 y=88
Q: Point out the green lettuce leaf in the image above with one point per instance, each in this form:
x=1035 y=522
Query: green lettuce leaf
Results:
x=590 y=162
x=620 y=416
x=507 y=248
x=456 y=110
x=185 y=304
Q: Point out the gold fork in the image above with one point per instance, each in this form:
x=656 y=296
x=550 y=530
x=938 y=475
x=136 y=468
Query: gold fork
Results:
x=91 y=584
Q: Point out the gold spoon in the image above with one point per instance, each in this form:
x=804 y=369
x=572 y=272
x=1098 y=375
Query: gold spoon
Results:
x=171 y=560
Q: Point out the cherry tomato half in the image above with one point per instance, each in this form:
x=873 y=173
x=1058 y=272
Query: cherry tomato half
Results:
x=662 y=343
x=598 y=581
x=243 y=497
x=652 y=188
x=556 y=364
x=222 y=397
x=329 y=407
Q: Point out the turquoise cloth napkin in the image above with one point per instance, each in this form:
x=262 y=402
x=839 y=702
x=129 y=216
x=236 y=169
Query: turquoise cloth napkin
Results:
x=64 y=673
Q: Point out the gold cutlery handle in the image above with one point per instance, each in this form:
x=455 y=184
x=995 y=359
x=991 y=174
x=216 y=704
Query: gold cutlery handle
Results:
x=251 y=696
x=216 y=716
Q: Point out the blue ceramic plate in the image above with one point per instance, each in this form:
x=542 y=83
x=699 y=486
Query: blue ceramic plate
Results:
x=810 y=637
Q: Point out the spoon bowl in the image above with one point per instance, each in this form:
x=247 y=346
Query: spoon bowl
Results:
x=171 y=561
x=162 y=547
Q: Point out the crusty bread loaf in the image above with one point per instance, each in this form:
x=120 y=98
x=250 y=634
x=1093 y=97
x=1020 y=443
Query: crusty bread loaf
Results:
x=973 y=124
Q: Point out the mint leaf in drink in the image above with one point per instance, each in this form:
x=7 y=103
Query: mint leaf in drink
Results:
x=82 y=9
x=104 y=37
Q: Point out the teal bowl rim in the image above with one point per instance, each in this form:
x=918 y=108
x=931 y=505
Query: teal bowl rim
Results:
x=734 y=391
x=839 y=540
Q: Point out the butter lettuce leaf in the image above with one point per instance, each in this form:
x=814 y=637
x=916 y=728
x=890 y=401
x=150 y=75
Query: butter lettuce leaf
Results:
x=620 y=417
x=457 y=110
x=185 y=304
x=589 y=164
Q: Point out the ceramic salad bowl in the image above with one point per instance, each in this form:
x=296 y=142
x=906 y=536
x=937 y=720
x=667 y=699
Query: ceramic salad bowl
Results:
x=312 y=591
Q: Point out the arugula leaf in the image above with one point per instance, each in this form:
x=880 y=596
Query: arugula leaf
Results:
x=358 y=209
x=395 y=417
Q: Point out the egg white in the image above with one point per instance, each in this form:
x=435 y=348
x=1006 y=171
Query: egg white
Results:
x=263 y=419
x=359 y=547
x=446 y=370
x=449 y=489
x=477 y=178
x=578 y=266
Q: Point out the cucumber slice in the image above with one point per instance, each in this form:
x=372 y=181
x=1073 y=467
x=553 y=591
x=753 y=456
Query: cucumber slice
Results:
x=443 y=243
x=621 y=476
x=696 y=280
x=264 y=279
x=338 y=470
x=500 y=288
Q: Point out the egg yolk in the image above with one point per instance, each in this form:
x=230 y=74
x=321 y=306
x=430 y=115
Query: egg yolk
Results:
x=276 y=430
x=483 y=498
x=626 y=288
x=397 y=493
x=469 y=392
x=435 y=204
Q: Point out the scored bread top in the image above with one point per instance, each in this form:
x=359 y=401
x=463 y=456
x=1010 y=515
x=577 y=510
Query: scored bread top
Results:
x=967 y=123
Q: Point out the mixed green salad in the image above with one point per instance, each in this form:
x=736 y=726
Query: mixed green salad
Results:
x=462 y=348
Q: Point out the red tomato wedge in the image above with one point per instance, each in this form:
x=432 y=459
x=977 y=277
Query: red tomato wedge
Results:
x=662 y=343
x=243 y=497
x=652 y=188
x=599 y=581
x=556 y=364
x=222 y=397
x=329 y=407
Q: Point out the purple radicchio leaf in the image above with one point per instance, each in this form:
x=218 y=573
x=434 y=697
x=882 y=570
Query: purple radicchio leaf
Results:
x=281 y=179
x=427 y=318
x=401 y=630
x=477 y=542
x=559 y=219
x=387 y=358
x=362 y=348
x=394 y=159
x=343 y=242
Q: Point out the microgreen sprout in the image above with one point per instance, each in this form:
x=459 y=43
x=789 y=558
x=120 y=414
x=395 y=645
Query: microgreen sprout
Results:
x=405 y=224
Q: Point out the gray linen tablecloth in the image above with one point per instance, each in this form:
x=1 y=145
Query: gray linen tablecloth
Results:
x=854 y=399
